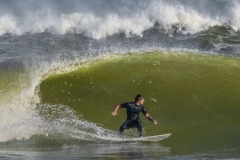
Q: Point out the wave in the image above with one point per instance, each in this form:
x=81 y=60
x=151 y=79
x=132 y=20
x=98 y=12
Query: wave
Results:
x=56 y=95
x=23 y=111
x=192 y=96
x=131 y=18
x=20 y=108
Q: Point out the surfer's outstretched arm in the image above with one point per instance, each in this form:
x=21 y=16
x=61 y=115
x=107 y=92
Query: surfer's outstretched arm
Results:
x=114 y=113
x=150 y=118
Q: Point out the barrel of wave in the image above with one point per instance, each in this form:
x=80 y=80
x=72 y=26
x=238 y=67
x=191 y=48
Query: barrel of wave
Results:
x=187 y=93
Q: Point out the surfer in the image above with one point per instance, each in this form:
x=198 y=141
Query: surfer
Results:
x=133 y=109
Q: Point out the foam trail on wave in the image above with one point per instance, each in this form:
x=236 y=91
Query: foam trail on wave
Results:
x=63 y=120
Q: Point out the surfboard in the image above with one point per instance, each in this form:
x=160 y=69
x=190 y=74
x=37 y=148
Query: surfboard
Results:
x=156 y=138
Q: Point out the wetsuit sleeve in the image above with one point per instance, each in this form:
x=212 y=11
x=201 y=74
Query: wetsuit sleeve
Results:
x=124 y=105
x=144 y=111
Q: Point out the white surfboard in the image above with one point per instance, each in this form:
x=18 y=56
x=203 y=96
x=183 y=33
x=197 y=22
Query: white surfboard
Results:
x=156 y=138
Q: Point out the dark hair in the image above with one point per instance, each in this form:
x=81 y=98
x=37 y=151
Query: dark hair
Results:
x=138 y=97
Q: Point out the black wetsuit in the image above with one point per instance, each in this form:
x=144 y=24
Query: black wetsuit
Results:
x=132 y=117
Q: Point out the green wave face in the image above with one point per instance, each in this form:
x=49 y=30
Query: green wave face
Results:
x=195 y=97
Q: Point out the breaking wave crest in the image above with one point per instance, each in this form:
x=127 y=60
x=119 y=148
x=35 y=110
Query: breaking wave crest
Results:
x=131 y=18
x=23 y=115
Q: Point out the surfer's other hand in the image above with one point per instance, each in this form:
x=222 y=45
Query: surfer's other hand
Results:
x=114 y=113
x=155 y=122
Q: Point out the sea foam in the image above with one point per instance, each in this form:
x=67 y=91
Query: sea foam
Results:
x=180 y=17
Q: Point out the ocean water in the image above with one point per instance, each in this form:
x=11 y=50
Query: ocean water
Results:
x=64 y=66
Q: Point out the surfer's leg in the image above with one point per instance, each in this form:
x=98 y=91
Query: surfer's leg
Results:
x=123 y=127
x=120 y=132
x=139 y=126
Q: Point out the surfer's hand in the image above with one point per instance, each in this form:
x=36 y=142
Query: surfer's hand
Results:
x=114 y=113
x=154 y=122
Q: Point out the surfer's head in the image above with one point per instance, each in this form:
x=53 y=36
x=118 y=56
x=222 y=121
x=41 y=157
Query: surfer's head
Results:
x=139 y=98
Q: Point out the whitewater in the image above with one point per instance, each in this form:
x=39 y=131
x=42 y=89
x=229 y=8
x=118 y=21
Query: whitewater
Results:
x=183 y=15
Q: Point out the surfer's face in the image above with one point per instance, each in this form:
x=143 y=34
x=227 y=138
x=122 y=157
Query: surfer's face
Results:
x=141 y=101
